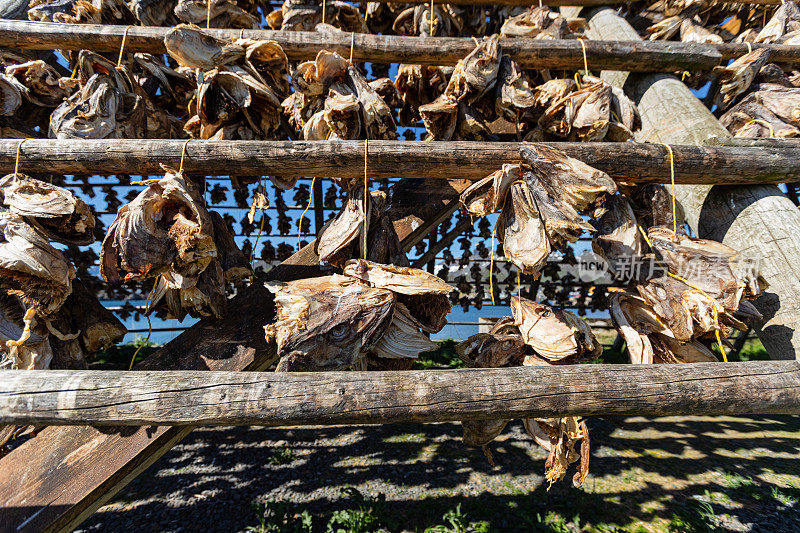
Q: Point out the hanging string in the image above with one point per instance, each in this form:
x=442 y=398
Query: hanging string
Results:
x=260 y=231
x=122 y=46
x=430 y=29
x=585 y=62
x=713 y=308
x=352 y=45
x=208 y=15
x=183 y=156
x=323 y=11
x=149 y=324
x=760 y=121
x=672 y=183
x=519 y=280
x=300 y=223
x=749 y=47
x=494 y=231
x=366 y=185
x=19 y=146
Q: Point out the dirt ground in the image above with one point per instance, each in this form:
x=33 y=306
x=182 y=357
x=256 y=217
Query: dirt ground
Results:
x=666 y=474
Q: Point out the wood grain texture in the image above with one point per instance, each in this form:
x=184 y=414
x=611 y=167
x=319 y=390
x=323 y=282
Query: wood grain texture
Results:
x=290 y=399
x=634 y=162
x=757 y=220
x=58 y=479
x=555 y=3
x=650 y=56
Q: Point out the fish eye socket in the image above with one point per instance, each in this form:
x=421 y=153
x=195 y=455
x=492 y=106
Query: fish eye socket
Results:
x=340 y=331
x=545 y=313
x=507 y=345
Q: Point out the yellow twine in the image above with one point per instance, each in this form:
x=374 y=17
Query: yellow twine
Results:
x=749 y=47
x=646 y=238
x=713 y=308
x=494 y=231
x=519 y=282
x=183 y=155
x=685 y=74
x=585 y=62
x=323 y=11
x=300 y=223
x=19 y=146
x=672 y=182
x=758 y=120
x=122 y=46
x=258 y=236
x=74 y=72
x=352 y=45
x=208 y=15
x=366 y=184
x=430 y=30
x=149 y=324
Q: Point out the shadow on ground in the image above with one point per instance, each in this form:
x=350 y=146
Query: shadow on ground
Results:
x=668 y=474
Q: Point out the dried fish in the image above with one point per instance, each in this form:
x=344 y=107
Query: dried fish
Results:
x=164 y=231
x=618 y=240
x=785 y=19
x=338 y=237
x=692 y=32
x=419 y=20
x=39 y=83
x=10 y=95
x=488 y=195
x=736 y=78
x=554 y=334
x=522 y=232
x=425 y=295
x=514 y=95
x=440 y=118
x=327 y=323
x=402 y=339
x=476 y=74
x=417 y=85
x=220 y=14
x=559 y=436
x=492 y=350
x=192 y=48
x=54 y=211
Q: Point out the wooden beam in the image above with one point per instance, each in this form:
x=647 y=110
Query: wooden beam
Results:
x=556 y=3
x=758 y=220
x=58 y=479
x=632 y=162
x=291 y=399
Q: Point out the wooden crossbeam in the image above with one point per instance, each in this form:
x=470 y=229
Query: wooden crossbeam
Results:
x=641 y=56
x=556 y=3
x=291 y=399
x=631 y=162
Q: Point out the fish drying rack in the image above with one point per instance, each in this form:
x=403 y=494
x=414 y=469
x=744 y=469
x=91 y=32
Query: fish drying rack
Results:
x=107 y=427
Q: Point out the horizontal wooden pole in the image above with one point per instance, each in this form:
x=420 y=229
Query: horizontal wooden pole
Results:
x=634 y=162
x=554 y=3
x=640 y=56
x=91 y=397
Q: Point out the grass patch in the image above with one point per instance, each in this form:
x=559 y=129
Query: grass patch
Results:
x=282 y=455
x=119 y=357
x=444 y=357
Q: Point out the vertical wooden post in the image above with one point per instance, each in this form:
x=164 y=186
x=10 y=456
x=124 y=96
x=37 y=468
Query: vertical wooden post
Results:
x=759 y=221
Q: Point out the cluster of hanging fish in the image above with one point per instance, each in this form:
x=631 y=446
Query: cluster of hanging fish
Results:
x=487 y=94
x=538 y=334
x=371 y=316
x=166 y=234
x=48 y=319
x=682 y=293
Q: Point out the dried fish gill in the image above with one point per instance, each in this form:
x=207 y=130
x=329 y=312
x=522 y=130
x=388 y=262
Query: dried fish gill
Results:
x=327 y=323
x=522 y=232
x=402 y=339
x=618 y=239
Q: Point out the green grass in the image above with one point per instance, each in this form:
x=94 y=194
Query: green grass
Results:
x=444 y=357
x=283 y=455
x=119 y=357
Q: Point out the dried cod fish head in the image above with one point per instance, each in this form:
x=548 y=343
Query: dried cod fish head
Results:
x=164 y=230
x=221 y=96
x=528 y=24
x=553 y=333
x=54 y=211
x=577 y=183
x=708 y=265
x=591 y=119
x=417 y=85
x=559 y=436
x=786 y=16
x=552 y=91
x=492 y=350
x=32 y=270
x=482 y=432
x=737 y=77
x=342 y=113
x=327 y=323
x=562 y=222
x=668 y=350
x=34 y=353
x=624 y=112
x=192 y=48
x=522 y=232
x=635 y=321
x=402 y=339
x=440 y=117
x=692 y=32
x=665 y=296
x=40 y=82
x=514 y=94
x=488 y=195
x=618 y=240
x=376 y=114
x=749 y=119
x=220 y=14
x=665 y=28
x=89 y=114
x=425 y=295
x=476 y=74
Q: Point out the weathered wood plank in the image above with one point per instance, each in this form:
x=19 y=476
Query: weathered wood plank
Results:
x=647 y=56
x=55 y=481
x=555 y=3
x=290 y=399
x=633 y=162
